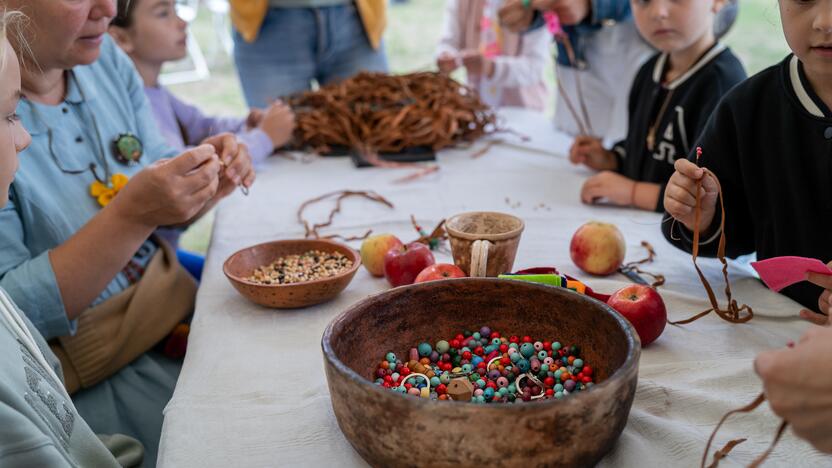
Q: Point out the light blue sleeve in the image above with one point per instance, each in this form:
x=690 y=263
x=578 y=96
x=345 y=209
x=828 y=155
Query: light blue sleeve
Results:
x=29 y=281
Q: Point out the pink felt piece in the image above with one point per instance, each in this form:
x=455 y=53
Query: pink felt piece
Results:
x=780 y=272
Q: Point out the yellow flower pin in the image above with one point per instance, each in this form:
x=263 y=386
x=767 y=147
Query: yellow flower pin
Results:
x=105 y=194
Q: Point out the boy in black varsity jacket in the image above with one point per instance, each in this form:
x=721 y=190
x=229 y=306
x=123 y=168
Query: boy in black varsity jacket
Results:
x=672 y=97
x=769 y=143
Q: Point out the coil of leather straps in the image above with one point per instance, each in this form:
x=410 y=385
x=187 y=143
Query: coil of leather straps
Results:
x=733 y=312
x=379 y=113
x=722 y=453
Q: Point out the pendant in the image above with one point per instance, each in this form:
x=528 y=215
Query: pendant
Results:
x=104 y=193
x=651 y=140
x=127 y=148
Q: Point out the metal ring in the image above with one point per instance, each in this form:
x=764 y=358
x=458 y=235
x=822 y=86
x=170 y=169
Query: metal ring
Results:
x=427 y=379
x=534 y=379
x=488 y=366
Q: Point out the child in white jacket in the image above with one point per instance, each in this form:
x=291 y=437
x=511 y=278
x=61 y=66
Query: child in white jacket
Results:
x=505 y=67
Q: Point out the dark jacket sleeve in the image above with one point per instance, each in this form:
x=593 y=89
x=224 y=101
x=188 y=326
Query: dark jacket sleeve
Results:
x=721 y=155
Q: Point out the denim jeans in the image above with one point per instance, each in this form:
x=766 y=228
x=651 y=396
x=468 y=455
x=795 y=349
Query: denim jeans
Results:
x=298 y=45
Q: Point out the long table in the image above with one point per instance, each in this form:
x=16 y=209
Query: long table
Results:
x=252 y=392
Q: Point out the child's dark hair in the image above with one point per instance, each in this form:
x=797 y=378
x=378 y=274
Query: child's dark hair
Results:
x=725 y=18
x=124 y=13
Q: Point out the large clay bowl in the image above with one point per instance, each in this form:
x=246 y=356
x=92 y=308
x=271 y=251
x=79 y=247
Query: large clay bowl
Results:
x=391 y=429
x=240 y=266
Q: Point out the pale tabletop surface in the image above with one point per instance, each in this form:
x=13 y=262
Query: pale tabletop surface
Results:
x=252 y=392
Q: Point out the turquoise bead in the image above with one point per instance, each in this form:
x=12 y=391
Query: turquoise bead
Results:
x=527 y=349
x=512 y=389
x=514 y=345
x=425 y=349
x=542 y=355
x=516 y=357
x=558 y=388
x=578 y=363
x=488 y=393
x=391 y=357
x=445 y=378
x=556 y=346
x=477 y=336
x=480 y=399
x=473 y=344
x=558 y=395
x=523 y=365
x=481 y=383
x=467 y=368
x=544 y=368
x=496 y=342
x=503 y=391
x=558 y=373
x=442 y=347
x=434 y=381
x=395 y=376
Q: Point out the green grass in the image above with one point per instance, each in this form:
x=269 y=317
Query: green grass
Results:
x=412 y=33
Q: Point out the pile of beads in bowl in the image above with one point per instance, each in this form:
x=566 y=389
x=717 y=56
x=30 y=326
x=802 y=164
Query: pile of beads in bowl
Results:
x=485 y=367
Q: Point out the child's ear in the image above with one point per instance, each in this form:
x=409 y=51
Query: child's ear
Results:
x=122 y=38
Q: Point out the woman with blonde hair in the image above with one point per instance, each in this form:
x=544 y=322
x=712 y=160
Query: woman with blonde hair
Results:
x=39 y=426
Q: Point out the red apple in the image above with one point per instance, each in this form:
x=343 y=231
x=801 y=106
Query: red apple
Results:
x=403 y=264
x=373 y=249
x=644 y=308
x=597 y=248
x=439 y=271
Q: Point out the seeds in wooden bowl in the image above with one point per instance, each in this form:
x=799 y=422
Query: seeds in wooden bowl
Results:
x=308 y=266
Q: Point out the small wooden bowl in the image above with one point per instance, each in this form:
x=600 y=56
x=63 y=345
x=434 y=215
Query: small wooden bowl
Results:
x=242 y=264
x=391 y=429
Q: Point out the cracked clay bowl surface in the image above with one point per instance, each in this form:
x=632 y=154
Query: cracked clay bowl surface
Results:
x=391 y=429
x=239 y=266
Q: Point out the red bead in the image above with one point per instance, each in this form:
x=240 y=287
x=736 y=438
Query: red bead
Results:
x=491 y=384
x=441 y=389
x=405 y=371
x=494 y=335
x=514 y=339
x=586 y=379
x=481 y=365
x=527 y=339
x=547 y=345
x=387 y=385
x=503 y=348
x=466 y=355
x=586 y=370
x=408 y=386
x=505 y=361
x=581 y=375
x=388 y=379
x=549 y=392
x=459 y=337
x=455 y=344
x=479 y=351
x=549 y=381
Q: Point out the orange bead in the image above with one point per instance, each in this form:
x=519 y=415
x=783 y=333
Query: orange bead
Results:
x=385 y=365
x=571 y=359
x=424 y=361
x=443 y=397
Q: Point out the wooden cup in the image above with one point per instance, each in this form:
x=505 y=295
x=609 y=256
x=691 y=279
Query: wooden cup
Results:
x=484 y=243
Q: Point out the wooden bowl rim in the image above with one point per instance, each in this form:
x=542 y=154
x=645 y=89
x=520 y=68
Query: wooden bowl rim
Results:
x=356 y=263
x=630 y=362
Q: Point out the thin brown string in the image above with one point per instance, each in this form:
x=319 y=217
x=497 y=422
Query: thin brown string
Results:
x=720 y=454
x=312 y=231
x=584 y=123
x=658 y=278
x=733 y=312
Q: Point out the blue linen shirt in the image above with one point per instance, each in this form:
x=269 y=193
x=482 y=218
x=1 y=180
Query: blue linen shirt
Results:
x=48 y=206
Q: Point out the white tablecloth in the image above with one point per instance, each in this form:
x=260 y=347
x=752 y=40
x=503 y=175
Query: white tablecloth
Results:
x=252 y=392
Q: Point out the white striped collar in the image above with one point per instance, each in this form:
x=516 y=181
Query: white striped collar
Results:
x=658 y=70
x=800 y=91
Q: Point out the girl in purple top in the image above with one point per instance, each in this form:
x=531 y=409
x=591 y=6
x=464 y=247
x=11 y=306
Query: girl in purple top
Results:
x=151 y=33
